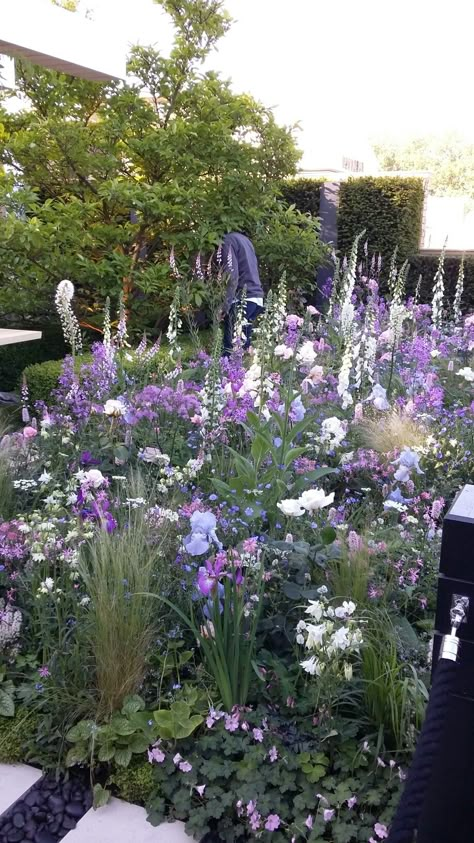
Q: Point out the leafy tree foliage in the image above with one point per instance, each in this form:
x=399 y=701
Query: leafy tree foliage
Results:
x=100 y=181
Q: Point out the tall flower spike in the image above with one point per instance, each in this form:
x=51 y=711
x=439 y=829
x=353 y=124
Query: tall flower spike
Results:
x=107 y=335
x=438 y=292
x=69 y=323
x=122 y=332
x=174 y=325
x=458 y=294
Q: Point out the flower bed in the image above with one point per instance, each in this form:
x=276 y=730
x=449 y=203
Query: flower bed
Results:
x=217 y=582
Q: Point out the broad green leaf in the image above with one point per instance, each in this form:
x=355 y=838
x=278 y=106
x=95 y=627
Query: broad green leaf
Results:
x=7 y=704
x=106 y=752
x=123 y=756
x=82 y=731
x=328 y=535
x=77 y=754
x=100 y=796
x=132 y=704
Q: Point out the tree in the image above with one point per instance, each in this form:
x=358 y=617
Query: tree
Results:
x=449 y=158
x=102 y=180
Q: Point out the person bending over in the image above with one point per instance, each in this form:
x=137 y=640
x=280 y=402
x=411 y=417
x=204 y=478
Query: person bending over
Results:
x=240 y=262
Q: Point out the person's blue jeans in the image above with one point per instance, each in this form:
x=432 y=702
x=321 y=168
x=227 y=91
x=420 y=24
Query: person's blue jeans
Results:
x=253 y=311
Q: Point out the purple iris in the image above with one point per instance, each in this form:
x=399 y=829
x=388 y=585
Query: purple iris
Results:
x=87 y=459
x=203 y=532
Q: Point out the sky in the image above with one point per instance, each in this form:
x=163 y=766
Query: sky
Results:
x=345 y=71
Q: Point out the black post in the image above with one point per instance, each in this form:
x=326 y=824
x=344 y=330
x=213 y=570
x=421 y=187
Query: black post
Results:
x=448 y=810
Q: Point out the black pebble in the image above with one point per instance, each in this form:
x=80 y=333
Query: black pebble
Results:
x=69 y=823
x=15 y=836
x=32 y=798
x=18 y=820
x=75 y=809
x=45 y=836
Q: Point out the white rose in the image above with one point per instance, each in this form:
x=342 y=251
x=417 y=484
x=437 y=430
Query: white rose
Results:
x=291 y=507
x=467 y=373
x=93 y=478
x=313 y=499
x=283 y=351
x=114 y=407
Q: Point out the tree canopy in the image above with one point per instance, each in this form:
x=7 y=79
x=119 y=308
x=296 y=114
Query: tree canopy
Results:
x=449 y=158
x=100 y=181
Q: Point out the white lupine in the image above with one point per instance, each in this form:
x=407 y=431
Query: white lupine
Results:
x=174 y=325
x=458 y=294
x=107 y=333
x=438 y=293
x=345 y=375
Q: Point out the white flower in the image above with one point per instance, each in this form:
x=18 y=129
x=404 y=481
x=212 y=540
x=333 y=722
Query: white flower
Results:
x=315 y=609
x=347 y=608
x=306 y=354
x=114 y=407
x=340 y=640
x=435 y=353
x=333 y=431
x=313 y=499
x=315 y=635
x=312 y=666
x=93 y=478
x=467 y=373
x=47 y=585
x=379 y=397
x=65 y=290
x=291 y=507
x=283 y=351
x=44 y=478
x=347 y=671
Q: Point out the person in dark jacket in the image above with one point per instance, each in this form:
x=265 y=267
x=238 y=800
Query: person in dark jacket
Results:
x=240 y=263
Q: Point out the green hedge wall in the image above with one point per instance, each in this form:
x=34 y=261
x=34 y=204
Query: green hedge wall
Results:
x=303 y=193
x=390 y=209
x=426 y=266
x=15 y=358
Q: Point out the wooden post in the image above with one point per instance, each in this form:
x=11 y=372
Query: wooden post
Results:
x=448 y=811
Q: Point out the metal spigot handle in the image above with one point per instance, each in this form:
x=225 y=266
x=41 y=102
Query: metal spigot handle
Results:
x=450 y=644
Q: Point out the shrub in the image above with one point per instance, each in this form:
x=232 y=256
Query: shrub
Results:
x=135 y=783
x=389 y=209
x=304 y=194
x=15 y=733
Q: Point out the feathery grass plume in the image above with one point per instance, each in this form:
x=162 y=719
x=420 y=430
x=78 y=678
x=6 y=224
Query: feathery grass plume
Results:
x=69 y=323
x=458 y=294
x=416 y=296
x=174 y=325
x=392 y=272
x=393 y=431
x=107 y=333
x=438 y=291
x=349 y=573
x=119 y=570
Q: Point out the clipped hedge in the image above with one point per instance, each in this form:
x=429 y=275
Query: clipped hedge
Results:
x=304 y=194
x=426 y=266
x=14 y=358
x=389 y=208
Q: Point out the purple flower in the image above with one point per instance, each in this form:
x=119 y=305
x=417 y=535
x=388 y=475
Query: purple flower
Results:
x=273 y=822
x=156 y=754
x=309 y=821
x=203 y=532
x=328 y=814
x=257 y=735
x=44 y=671
x=185 y=767
x=273 y=754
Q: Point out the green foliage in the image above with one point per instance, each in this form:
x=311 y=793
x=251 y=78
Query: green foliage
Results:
x=127 y=733
x=236 y=769
x=390 y=209
x=135 y=783
x=107 y=180
x=177 y=722
x=448 y=158
x=15 y=734
x=42 y=379
x=304 y=194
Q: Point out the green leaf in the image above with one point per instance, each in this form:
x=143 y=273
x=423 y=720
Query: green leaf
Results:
x=121 y=453
x=77 y=754
x=132 y=704
x=123 y=756
x=122 y=725
x=139 y=743
x=100 y=796
x=291 y=590
x=328 y=535
x=82 y=731
x=7 y=704
x=106 y=752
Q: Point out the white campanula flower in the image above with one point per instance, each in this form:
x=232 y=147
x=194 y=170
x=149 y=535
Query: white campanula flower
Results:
x=313 y=499
x=291 y=507
x=306 y=354
x=114 y=407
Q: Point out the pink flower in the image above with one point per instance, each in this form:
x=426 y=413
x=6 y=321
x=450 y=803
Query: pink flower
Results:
x=380 y=763
x=29 y=432
x=185 y=767
x=177 y=758
x=44 y=671
x=250 y=545
x=381 y=830
x=273 y=822
x=251 y=807
x=312 y=310
x=255 y=821
x=328 y=814
x=273 y=754
x=351 y=802
x=309 y=821
x=200 y=789
x=232 y=722
x=258 y=735
x=156 y=754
